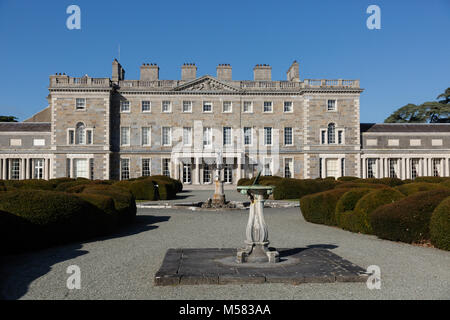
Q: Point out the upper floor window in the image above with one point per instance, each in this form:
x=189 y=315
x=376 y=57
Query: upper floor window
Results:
x=207 y=106
x=248 y=107
x=166 y=136
x=288 y=106
x=288 y=140
x=226 y=136
x=124 y=169
x=187 y=106
x=267 y=136
x=331 y=105
x=268 y=106
x=207 y=136
x=166 y=106
x=146 y=167
x=124 y=106
x=146 y=106
x=331 y=133
x=80 y=104
x=247 y=136
x=187 y=136
x=125 y=136
x=227 y=107
x=146 y=136
x=80 y=133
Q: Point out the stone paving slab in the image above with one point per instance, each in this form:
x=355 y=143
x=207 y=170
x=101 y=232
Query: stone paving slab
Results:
x=206 y=266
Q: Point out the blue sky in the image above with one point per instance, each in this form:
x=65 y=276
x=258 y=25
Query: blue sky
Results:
x=407 y=61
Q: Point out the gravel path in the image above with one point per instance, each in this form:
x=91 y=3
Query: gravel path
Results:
x=123 y=266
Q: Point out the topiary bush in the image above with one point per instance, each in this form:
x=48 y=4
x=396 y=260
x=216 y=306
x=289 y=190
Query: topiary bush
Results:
x=16 y=234
x=445 y=183
x=430 y=179
x=287 y=188
x=391 y=182
x=38 y=184
x=64 y=186
x=320 y=207
x=353 y=185
x=358 y=221
x=440 y=225
x=347 y=203
x=407 y=220
x=143 y=189
x=411 y=188
x=347 y=178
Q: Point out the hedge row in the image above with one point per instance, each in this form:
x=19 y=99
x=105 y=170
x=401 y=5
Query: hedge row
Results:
x=152 y=188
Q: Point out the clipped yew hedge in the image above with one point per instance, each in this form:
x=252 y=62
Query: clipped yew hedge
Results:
x=347 y=178
x=407 y=220
x=411 y=188
x=391 y=182
x=431 y=179
x=440 y=225
x=152 y=188
x=320 y=207
x=346 y=205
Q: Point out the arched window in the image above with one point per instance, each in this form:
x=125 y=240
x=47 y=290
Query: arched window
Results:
x=331 y=133
x=80 y=133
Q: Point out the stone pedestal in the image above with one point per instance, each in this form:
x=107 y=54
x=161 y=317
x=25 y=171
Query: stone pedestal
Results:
x=219 y=194
x=256 y=248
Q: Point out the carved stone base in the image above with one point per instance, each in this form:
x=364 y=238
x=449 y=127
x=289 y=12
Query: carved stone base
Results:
x=257 y=253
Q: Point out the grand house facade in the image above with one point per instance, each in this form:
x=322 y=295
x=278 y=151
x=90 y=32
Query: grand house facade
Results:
x=113 y=128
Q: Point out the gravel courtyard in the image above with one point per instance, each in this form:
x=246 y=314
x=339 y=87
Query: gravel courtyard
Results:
x=122 y=266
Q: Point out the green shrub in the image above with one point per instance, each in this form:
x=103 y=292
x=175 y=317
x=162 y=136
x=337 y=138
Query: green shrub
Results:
x=67 y=185
x=440 y=225
x=165 y=190
x=37 y=184
x=143 y=189
x=407 y=220
x=353 y=185
x=411 y=188
x=244 y=182
x=57 y=181
x=430 y=179
x=347 y=178
x=56 y=217
x=321 y=207
x=177 y=183
x=347 y=203
x=287 y=188
x=110 y=217
x=124 y=200
x=358 y=221
x=16 y=234
x=391 y=182
x=445 y=183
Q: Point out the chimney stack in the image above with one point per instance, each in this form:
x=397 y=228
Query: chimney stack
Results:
x=223 y=72
x=293 y=74
x=188 y=71
x=149 y=71
x=118 y=73
x=262 y=72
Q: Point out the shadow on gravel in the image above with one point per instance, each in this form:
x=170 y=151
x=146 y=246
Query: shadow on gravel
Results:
x=290 y=252
x=17 y=272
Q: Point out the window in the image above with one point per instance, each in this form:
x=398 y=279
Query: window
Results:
x=166 y=136
x=226 y=136
x=206 y=173
x=323 y=134
x=146 y=136
x=146 y=106
x=288 y=168
x=414 y=168
x=288 y=106
x=38 y=169
x=331 y=105
x=91 y=169
x=124 y=169
x=166 y=167
x=187 y=106
x=331 y=133
x=125 y=136
x=268 y=136
x=71 y=137
x=80 y=104
x=89 y=136
x=80 y=133
x=288 y=136
x=267 y=170
x=247 y=136
x=187 y=136
x=228 y=173
x=187 y=173
x=124 y=106
x=268 y=106
x=146 y=167
x=436 y=167
x=342 y=167
x=207 y=106
x=332 y=168
x=393 y=142
x=248 y=107
x=393 y=168
x=81 y=169
x=227 y=107
x=371 y=168
x=15 y=169
x=15 y=142
x=340 y=137
x=320 y=167
x=207 y=136
x=166 y=106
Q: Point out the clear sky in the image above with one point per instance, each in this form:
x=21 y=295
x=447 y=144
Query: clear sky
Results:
x=407 y=61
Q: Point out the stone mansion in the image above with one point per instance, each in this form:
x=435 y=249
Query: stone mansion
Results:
x=113 y=128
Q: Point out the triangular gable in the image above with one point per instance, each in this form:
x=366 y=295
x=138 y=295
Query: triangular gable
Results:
x=206 y=83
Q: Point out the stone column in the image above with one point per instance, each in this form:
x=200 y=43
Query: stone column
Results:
x=71 y=171
x=5 y=166
x=447 y=171
x=1 y=169
x=442 y=173
x=239 y=169
x=46 y=170
x=197 y=171
x=27 y=171
x=364 y=175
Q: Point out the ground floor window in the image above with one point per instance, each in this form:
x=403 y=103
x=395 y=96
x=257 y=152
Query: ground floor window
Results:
x=187 y=171
x=228 y=173
x=342 y=167
x=436 y=167
x=288 y=168
x=414 y=168
x=166 y=167
x=267 y=167
x=146 y=170
x=124 y=169
x=206 y=173
x=371 y=168
x=393 y=168
x=38 y=170
x=81 y=169
x=332 y=168
x=15 y=169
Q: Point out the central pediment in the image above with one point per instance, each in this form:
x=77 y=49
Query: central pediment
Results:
x=206 y=84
